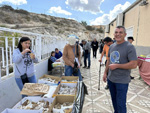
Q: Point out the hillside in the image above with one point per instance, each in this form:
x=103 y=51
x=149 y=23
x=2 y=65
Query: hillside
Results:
x=44 y=24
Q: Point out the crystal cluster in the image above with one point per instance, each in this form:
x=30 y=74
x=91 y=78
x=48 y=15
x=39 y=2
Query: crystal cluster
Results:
x=41 y=105
x=49 y=80
x=67 y=90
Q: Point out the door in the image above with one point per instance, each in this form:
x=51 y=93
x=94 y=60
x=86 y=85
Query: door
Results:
x=129 y=32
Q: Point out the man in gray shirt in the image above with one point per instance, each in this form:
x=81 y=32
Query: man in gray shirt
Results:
x=122 y=58
x=87 y=51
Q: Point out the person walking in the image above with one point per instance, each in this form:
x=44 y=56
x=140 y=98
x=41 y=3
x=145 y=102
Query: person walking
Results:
x=121 y=59
x=94 y=45
x=107 y=41
x=24 y=59
x=87 y=53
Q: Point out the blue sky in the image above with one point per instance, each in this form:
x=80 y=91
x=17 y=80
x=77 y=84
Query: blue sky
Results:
x=94 y=12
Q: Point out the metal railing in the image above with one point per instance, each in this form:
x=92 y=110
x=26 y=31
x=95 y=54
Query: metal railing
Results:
x=42 y=45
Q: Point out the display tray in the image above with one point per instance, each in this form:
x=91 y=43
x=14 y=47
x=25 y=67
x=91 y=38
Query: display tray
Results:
x=49 y=79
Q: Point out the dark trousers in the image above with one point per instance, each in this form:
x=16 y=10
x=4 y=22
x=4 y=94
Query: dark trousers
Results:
x=105 y=62
x=118 y=94
x=87 y=56
x=94 y=53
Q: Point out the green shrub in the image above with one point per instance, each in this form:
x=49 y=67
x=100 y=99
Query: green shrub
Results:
x=9 y=20
x=100 y=30
x=22 y=11
x=17 y=26
x=57 y=23
x=2 y=14
x=44 y=15
x=27 y=18
x=60 y=31
x=90 y=28
x=56 y=27
x=53 y=20
x=7 y=7
x=84 y=23
x=44 y=20
x=3 y=26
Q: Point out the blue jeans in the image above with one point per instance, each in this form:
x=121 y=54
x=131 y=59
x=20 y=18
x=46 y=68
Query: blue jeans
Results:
x=69 y=72
x=87 y=56
x=118 y=94
x=20 y=84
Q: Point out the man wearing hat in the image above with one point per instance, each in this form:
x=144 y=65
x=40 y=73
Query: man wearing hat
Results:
x=72 y=59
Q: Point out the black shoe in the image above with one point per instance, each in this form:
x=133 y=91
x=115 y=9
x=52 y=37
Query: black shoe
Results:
x=88 y=68
x=107 y=87
x=132 y=77
x=84 y=67
x=82 y=76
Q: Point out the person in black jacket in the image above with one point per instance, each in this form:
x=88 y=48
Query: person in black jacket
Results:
x=94 y=47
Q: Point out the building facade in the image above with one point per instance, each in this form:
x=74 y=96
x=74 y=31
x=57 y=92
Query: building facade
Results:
x=136 y=20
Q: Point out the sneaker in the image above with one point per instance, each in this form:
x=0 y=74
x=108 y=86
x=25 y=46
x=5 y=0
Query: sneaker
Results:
x=107 y=87
x=84 y=67
x=132 y=77
x=88 y=68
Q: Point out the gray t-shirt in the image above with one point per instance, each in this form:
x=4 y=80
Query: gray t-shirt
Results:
x=87 y=46
x=121 y=54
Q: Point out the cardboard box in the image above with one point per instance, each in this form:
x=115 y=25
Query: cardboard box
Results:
x=69 y=79
x=21 y=111
x=33 y=89
x=73 y=85
x=61 y=100
x=33 y=99
x=57 y=79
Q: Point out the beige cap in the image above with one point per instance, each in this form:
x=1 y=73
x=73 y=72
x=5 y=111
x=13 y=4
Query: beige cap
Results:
x=71 y=40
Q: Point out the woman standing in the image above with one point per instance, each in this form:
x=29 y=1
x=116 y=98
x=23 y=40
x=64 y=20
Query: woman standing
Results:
x=24 y=60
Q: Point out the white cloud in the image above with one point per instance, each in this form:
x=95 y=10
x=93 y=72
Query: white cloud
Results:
x=107 y=18
x=72 y=18
x=84 y=1
x=59 y=11
x=15 y=2
x=85 y=5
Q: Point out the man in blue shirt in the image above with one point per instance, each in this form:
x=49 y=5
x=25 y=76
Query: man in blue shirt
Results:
x=58 y=53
